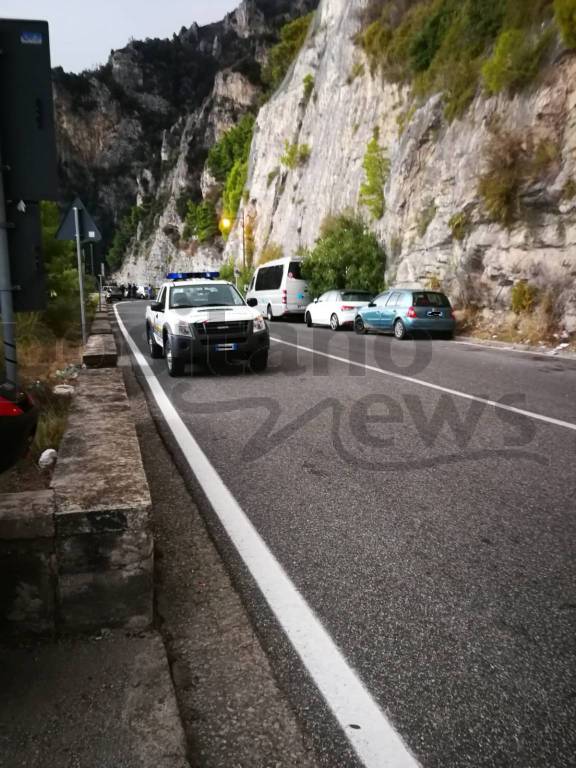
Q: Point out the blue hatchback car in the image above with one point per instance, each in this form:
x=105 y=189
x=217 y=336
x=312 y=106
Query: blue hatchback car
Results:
x=404 y=312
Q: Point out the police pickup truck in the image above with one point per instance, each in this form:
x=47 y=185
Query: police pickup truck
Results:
x=197 y=317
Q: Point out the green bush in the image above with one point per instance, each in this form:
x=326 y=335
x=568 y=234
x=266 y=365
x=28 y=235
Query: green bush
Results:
x=233 y=146
x=227 y=271
x=514 y=63
x=376 y=169
x=308 y=83
x=523 y=297
x=201 y=221
x=62 y=315
x=281 y=55
x=295 y=154
x=441 y=45
x=460 y=225
x=565 y=12
x=123 y=236
x=513 y=161
x=346 y=255
x=234 y=188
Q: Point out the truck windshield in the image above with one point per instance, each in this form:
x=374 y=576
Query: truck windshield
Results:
x=215 y=295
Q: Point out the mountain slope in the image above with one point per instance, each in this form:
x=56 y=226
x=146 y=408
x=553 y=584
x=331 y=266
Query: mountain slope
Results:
x=442 y=224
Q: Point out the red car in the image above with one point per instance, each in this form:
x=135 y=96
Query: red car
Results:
x=18 y=420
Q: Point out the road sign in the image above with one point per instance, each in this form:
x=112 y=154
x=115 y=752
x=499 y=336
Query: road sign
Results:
x=89 y=232
x=27 y=127
x=26 y=257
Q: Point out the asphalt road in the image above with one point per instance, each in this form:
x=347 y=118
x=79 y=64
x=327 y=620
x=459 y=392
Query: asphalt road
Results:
x=434 y=536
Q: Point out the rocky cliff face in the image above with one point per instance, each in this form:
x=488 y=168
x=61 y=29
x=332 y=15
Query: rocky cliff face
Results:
x=137 y=130
x=434 y=173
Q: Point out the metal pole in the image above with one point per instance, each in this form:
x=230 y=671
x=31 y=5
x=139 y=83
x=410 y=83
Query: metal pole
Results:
x=243 y=242
x=6 y=305
x=80 y=276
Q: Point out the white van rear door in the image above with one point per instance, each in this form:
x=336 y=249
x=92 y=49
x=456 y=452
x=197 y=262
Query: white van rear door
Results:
x=297 y=294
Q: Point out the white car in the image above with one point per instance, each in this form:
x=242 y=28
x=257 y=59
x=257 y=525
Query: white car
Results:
x=200 y=318
x=336 y=308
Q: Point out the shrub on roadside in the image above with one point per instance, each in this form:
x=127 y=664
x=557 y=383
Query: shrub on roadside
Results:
x=523 y=297
x=346 y=255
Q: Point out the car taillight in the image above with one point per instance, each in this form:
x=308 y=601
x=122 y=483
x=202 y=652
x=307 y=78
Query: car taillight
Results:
x=346 y=308
x=8 y=408
x=284 y=297
x=411 y=312
x=451 y=314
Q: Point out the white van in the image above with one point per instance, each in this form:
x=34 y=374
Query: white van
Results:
x=279 y=289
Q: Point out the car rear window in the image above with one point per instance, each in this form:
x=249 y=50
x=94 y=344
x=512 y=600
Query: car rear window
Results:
x=357 y=296
x=294 y=270
x=429 y=299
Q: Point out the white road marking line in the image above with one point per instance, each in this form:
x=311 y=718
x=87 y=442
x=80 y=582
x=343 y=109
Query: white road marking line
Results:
x=375 y=742
x=546 y=352
x=437 y=387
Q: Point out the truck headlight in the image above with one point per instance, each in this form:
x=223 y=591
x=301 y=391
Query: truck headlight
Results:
x=258 y=324
x=183 y=329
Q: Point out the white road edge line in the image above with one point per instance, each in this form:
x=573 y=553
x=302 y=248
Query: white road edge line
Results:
x=437 y=387
x=375 y=741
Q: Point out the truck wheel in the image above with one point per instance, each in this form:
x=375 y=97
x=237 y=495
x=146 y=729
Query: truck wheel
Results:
x=174 y=365
x=269 y=315
x=155 y=349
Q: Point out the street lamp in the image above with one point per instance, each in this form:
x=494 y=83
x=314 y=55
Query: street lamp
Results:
x=226 y=223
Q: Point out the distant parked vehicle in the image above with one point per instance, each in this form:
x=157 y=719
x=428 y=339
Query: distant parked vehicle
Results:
x=405 y=312
x=112 y=293
x=18 y=420
x=278 y=290
x=336 y=308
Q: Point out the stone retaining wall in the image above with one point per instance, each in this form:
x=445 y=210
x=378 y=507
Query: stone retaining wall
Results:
x=79 y=556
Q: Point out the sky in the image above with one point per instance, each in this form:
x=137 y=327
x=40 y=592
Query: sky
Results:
x=82 y=33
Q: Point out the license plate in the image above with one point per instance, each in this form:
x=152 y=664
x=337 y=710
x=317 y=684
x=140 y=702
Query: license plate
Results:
x=226 y=347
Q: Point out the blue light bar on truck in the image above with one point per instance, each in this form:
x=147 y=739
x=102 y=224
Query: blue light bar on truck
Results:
x=192 y=275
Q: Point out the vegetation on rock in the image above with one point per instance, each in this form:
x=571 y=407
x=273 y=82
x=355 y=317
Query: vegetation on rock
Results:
x=201 y=221
x=234 y=146
x=523 y=296
x=376 y=169
x=515 y=61
x=443 y=45
x=123 y=236
x=460 y=225
x=281 y=56
x=346 y=255
x=295 y=154
x=271 y=252
x=513 y=162
x=565 y=11
x=308 y=83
